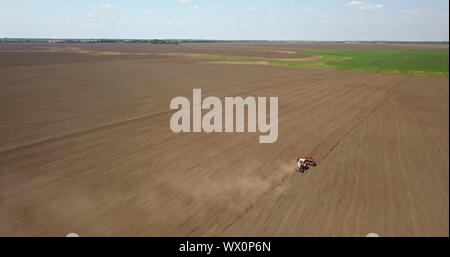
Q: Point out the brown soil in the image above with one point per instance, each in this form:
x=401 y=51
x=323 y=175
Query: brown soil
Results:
x=86 y=147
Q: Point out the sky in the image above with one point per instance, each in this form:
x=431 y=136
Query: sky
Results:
x=410 y=20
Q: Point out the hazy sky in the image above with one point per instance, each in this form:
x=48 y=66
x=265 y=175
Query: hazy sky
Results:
x=227 y=19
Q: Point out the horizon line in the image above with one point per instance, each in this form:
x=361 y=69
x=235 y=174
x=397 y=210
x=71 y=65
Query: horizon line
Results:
x=221 y=40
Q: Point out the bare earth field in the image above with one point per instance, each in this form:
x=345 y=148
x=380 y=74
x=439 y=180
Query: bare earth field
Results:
x=86 y=147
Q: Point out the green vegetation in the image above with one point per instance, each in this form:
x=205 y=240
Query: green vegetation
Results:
x=413 y=62
x=409 y=62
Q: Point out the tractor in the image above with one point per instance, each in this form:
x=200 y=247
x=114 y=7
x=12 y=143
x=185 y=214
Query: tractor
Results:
x=304 y=162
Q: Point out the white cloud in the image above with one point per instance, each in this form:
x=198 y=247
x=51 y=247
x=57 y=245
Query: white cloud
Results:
x=362 y=6
x=189 y=3
x=184 y=1
x=149 y=12
x=250 y=9
x=418 y=11
x=107 y=6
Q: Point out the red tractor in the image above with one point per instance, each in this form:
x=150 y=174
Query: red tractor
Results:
x=304 y=162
